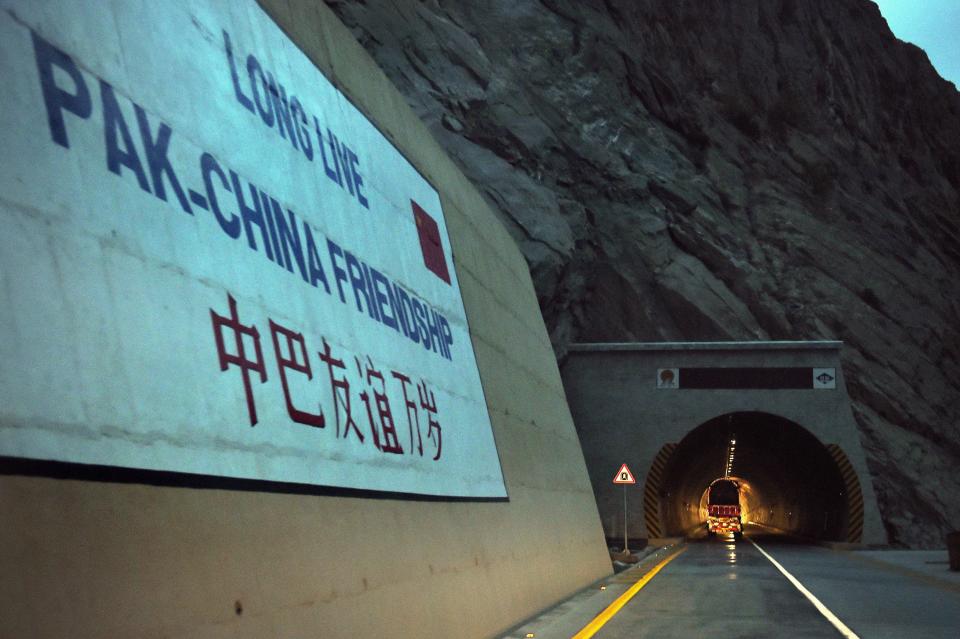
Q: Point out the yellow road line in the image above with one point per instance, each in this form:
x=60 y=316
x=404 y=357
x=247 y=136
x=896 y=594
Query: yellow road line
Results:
x=598 y=622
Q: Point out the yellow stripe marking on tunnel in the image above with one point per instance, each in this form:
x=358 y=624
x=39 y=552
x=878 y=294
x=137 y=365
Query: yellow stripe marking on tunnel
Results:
x=853 y=493
x=832 y=618
x=651 y=492
x=598 y=622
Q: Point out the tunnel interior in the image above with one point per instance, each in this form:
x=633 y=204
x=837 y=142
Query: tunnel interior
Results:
x=788 y=481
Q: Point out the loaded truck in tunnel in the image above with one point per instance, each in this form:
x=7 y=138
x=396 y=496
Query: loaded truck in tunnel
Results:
x=723 y=508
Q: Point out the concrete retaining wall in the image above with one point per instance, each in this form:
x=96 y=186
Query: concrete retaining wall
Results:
x=93 y=558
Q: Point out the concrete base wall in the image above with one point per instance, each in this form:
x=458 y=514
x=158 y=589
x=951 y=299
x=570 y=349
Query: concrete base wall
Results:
x=101 y=559
x=92 y=559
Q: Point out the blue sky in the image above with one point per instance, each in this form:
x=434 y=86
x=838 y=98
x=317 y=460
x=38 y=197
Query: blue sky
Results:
x=932 y=25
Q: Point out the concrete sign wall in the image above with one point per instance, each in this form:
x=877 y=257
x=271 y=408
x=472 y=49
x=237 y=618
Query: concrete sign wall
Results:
x=112 y=296
x=213 y=263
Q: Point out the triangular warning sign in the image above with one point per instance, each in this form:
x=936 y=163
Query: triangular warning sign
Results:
x=624 y=476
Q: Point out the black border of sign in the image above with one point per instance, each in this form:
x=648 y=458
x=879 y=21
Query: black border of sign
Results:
x=121 y=475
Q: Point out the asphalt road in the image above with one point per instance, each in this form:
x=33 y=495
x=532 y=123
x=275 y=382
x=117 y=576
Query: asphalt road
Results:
x=722 y=588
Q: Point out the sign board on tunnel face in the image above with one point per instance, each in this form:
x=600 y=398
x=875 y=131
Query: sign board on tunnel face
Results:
x=825 y=378
x=668 y=378
x=732 y=378
x=624 y=476
x=213 y=263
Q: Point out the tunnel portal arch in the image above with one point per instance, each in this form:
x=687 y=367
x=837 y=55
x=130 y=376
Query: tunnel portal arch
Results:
x=659 y=406
x=790 y=480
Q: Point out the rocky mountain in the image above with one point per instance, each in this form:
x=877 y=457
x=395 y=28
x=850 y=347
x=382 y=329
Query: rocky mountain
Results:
x=704 y=169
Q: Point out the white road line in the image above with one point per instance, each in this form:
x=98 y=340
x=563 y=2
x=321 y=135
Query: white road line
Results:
x=832 y=618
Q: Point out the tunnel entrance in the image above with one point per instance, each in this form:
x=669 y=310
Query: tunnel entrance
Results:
x=789 y=481
x=657 y=404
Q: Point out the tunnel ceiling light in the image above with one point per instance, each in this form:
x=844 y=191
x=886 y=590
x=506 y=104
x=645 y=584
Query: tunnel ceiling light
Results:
x=731 y=451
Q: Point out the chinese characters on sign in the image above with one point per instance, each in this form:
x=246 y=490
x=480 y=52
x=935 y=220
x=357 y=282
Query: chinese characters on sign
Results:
x=292 y=354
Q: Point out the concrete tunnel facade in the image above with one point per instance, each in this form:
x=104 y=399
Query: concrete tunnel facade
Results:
x=678 y=413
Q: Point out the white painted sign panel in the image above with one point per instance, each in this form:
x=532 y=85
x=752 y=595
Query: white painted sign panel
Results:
x=213 y=263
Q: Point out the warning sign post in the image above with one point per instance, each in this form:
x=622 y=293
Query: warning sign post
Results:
x=624 y=476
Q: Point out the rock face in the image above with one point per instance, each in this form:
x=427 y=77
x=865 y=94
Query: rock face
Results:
x=766 y=169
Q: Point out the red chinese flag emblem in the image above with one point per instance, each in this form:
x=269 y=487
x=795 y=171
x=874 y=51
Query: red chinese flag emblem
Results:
x=430 y=243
